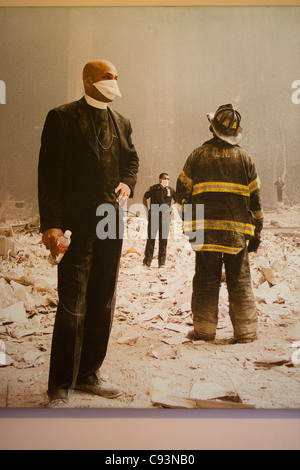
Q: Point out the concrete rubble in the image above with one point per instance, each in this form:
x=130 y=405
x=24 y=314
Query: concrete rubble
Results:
x=153 y=299
x=274 y=268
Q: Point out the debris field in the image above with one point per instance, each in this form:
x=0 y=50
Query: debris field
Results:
x=149 y=356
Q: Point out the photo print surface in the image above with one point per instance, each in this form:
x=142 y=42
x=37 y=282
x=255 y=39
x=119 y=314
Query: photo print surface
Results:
x=111 y=116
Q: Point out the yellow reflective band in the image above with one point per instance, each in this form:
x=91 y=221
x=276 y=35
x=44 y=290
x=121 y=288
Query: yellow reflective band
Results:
x=223 y=249
x=221 y=186
x=230 y=225
x=186 y=181
x=258 y=214
x=254 y=185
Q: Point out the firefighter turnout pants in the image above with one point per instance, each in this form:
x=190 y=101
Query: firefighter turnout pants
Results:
x=206 y=288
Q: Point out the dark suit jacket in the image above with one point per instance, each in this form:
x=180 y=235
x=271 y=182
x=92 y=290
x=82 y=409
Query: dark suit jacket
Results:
x=72 y=180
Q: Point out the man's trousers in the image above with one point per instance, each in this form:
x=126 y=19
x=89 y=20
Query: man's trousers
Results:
x=161 y=226
x=87 y=277
x=205 y=297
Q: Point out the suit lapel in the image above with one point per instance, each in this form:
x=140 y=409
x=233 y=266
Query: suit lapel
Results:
x=86 y=125
x=119 y=126
x=116 y=121
x=87 y=129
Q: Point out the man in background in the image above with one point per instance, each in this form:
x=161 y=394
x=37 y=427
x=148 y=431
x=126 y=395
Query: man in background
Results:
x=280 y=187
x=161 y=197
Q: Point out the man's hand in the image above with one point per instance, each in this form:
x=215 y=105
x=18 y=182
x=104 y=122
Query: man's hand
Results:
x=50 y=238
x=123 y=191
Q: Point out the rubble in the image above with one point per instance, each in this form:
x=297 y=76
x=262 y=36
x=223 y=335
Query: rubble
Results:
x=153 y=315
x=206 y=395
x=19 y=210
x=34 y=357
x=296 y=358
x=8 y=246
x=274 y=271
x=15 y=313
x=209 y=391
x=5 y=360
x=270 y=361
x=294 y=333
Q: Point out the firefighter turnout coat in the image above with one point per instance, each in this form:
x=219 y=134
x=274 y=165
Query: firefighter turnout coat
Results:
x=223 y=179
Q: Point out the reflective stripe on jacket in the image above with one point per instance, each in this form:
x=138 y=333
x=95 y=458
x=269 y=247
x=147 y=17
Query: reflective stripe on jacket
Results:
x=223 y=179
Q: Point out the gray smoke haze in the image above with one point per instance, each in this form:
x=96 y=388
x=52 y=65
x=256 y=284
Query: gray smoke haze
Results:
x=175 y=64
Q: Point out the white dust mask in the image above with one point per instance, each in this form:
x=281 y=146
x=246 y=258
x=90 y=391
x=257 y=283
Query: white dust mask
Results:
x=165 y=183
x=108 y=88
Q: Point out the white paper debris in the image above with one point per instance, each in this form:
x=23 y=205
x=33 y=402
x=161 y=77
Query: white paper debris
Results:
x=177 y=327
x=294 y=333
x=13 y=313
x=296 y=357
x=31 y=357
x=208 y=391
x=5 y=360
x=128 y=339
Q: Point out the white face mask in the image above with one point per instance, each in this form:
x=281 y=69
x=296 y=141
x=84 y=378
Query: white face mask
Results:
x=108 y=88
x=165 y=183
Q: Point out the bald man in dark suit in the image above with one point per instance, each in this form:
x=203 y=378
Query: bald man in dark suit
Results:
x=87 y=159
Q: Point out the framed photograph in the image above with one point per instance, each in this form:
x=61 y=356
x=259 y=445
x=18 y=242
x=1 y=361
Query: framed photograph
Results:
x=162 y=75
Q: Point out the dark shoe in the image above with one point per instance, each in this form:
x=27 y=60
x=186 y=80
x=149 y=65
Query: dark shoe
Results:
x=99 y=387
x=193 y=336
x=59 y=403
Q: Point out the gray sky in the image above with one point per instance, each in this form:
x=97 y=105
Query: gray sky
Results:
x=175 y=64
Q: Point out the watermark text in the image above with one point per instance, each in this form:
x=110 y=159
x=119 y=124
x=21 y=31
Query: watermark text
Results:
x=2 y=92
x=144 y=223
x=296 y=94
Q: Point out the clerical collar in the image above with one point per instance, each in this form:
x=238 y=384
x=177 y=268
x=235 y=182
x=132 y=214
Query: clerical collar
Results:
x=95 y=103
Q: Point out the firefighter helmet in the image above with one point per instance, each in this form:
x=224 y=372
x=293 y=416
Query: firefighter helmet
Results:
x=225 y=123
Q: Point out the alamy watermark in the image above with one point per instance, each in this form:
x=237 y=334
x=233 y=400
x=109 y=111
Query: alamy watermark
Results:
x=296 y=94
x=186 y=222
x=3 y=358
x=2 y=92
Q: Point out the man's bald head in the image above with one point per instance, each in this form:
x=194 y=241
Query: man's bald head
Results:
x=96 y=71
x=98 y=66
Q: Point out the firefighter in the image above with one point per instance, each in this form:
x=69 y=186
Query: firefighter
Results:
x=221 y=177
